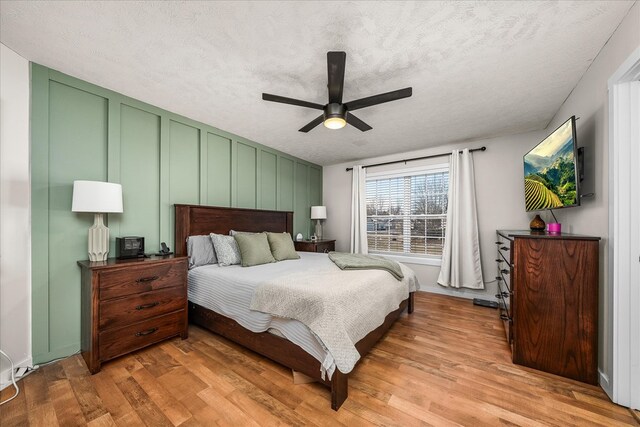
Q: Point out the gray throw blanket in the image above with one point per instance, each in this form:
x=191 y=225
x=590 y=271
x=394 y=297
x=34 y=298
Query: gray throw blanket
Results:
x=365 y=262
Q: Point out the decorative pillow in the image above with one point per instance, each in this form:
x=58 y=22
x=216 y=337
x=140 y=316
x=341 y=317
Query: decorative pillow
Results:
x=200 y=251
x=254 y=249
x=226 y=249
x=282 y=246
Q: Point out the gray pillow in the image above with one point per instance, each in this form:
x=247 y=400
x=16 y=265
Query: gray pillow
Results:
x=254 y=249
x=200 y=251
x=282 y=246
x=226 y=249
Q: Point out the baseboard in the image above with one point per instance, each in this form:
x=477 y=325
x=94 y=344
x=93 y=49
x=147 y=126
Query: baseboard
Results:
x=58 y=353
x=462 y=293
x=605 y=384
x=5 y=375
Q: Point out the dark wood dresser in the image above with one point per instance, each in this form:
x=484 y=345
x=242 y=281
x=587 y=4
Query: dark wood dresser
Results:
x=549 y=301
x=315 y=246
x=130 y=304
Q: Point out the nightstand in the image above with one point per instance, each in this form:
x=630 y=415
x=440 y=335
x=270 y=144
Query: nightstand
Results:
x=315 y=246
x=130 y=304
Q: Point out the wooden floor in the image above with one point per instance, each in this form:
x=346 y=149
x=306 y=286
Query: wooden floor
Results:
x=447 y=364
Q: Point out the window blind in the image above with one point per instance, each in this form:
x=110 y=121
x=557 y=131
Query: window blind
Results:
x=407 y=214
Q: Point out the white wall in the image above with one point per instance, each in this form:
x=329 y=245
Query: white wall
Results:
x=500 y=199
x=589 y=101
x=15 y=227
x=500 y=188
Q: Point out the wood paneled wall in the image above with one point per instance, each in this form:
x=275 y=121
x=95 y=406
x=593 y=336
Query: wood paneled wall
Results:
x=82 y=131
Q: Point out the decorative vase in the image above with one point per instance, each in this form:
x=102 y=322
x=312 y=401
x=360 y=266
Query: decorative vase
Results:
x=537 y=224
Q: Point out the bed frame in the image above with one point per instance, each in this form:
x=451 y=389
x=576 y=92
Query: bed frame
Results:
x=192 y=220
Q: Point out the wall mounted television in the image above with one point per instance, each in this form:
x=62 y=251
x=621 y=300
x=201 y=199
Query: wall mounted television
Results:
x=551 y=179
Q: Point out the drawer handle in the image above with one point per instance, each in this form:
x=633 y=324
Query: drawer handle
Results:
x=498 y=243
x=147 y=279
x=504 y=248
x=145 y=306
x=504 y=317
x=505 y=294
x=498 y=296
x=504 y=271
x=499 y=278
x=147 y=332
x=499 y=261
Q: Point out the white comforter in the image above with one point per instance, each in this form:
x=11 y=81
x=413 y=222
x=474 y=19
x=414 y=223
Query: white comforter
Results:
x=229 y=291
x=340 y=307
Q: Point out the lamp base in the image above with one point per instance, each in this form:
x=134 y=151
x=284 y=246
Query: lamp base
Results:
x=98 y=244
x=318 y=229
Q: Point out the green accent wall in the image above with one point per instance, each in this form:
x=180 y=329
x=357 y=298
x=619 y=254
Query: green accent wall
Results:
x=82 y=131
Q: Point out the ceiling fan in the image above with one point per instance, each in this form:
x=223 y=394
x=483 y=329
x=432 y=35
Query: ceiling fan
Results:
x=336 y=114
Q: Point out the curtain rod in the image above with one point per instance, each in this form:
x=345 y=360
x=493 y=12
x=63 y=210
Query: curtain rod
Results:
x=418 y=158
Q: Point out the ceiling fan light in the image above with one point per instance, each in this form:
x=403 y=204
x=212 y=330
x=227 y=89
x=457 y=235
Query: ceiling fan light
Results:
x=335 y=123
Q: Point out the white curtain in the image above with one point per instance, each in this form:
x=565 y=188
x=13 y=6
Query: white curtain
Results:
x=359 y=211
x=461 y=254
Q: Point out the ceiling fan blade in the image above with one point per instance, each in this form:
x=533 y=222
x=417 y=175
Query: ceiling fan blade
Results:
x=378 y=99
x=335 y=71
x=291 y=101
x=313 y=123
x=356 y=122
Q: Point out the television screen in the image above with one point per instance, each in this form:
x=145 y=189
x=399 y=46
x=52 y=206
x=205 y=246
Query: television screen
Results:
x=550 y=171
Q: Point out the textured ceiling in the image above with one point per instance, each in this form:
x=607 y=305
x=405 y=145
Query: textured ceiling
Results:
x=477 y=69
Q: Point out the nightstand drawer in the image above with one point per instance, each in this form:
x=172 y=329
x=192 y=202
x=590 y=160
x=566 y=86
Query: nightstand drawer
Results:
x=325 y=247
x=116 y=342
x=134 y=280
x=315 y=246
x=135 y=308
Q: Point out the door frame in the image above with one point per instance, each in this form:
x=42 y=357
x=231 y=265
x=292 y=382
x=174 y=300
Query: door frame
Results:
x=624 y=231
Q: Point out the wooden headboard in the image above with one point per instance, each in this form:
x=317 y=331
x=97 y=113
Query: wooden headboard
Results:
x=194 y=220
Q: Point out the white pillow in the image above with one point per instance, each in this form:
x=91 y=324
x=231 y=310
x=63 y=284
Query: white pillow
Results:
x=226 y=248
x=200 y=251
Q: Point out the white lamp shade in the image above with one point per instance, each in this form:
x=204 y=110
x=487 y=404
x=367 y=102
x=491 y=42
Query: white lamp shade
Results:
x=96 y=197
x=318 y=212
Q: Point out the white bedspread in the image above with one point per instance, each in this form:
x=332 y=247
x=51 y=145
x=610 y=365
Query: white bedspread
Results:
x=229 y=291
x=340 y=307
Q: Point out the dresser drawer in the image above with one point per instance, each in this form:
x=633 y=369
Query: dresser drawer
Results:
x=507 y=322
x=143 y=278
x=504 y=250
x=119 y=341
x=504 y=277
x=504 y=298
x=135 y=308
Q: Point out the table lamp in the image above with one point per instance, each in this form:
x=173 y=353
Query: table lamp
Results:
x=319 y=213
x=98 y=198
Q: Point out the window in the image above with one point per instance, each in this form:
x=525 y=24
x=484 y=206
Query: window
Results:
x=407 y=211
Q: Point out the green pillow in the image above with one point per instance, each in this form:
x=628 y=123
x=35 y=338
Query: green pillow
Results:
x=282 y=246
x=254 y=249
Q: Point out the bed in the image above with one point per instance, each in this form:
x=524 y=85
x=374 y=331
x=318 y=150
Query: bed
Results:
x=191 y=220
